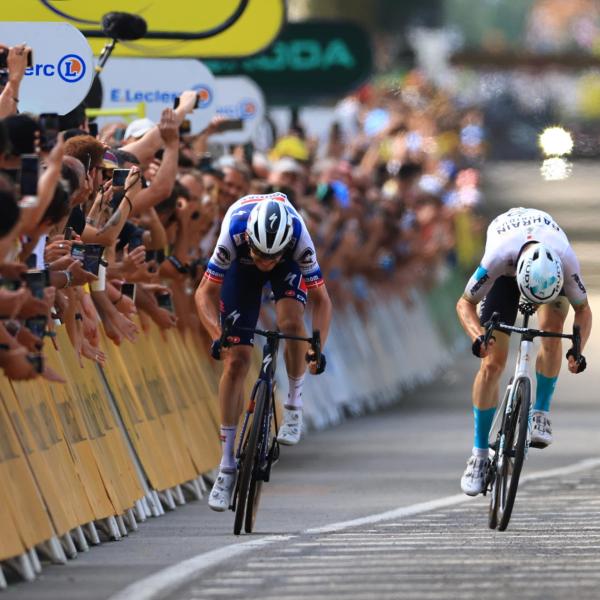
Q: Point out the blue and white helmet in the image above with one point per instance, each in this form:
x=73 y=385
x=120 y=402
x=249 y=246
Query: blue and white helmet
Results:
x=539 y=274
x=269 y=227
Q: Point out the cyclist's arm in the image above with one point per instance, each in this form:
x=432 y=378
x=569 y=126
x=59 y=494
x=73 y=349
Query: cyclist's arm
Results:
x=321 y=311
x=577 y=294
x=207 y=304
x=468 y=317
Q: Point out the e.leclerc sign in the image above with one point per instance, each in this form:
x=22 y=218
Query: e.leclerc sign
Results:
x=157 y=82
x=309 y=61
x=62 y=70
x=239 y=98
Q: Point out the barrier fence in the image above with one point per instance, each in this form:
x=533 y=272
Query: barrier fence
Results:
x=85 y=461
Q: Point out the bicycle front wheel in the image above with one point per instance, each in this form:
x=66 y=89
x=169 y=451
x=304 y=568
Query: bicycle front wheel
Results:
x=262 y=450
x=249 y=457
x=514 y=430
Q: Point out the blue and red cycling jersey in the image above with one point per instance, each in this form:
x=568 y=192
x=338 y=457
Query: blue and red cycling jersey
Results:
x=232 y=245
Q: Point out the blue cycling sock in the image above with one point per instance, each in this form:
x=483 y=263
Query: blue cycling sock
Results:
x=483 y=422
x=544 y=391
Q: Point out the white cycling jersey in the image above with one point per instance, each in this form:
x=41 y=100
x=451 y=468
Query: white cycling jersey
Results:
x=506 y=235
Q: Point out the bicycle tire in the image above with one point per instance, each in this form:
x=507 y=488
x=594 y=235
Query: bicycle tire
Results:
x=495 y=444
x=254 y=492
x=515 y=427
x=247 y=461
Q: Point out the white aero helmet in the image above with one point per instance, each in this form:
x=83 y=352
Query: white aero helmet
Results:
x=539 y=274
x=269 y=227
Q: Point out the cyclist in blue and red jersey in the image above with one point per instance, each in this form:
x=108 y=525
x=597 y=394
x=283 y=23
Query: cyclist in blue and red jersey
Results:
x=263 y=240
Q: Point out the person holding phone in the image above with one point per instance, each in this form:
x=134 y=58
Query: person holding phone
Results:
x=17 y=59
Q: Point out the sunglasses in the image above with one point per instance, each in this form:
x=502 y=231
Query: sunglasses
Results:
x=261 y=255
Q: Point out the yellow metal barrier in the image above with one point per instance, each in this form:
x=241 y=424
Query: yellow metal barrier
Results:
x=96 y=447
x=130 y=113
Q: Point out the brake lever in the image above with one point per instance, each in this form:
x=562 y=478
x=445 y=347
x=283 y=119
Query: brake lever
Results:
x=576 y=342
x=490 y=327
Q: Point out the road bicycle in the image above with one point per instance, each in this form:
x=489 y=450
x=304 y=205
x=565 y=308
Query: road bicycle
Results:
x=510 y=433
x=258 y=448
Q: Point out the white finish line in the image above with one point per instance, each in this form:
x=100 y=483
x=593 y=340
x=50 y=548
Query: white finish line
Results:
x=171 y=578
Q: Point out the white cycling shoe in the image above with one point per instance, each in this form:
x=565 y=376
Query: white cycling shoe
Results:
x=291 y=428
x=472 y=482
x=541 y=433
x=220 y=495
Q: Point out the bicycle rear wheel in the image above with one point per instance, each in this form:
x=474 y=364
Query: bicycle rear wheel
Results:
x=248 y=458
x=514 y=429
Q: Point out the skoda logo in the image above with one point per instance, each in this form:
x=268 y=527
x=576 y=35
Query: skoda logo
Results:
x=204 y=94
x=71 y=68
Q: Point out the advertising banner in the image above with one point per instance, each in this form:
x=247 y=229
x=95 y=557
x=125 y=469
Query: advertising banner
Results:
x=238 y=99
x=310 y=61
x=62 y=70
x=175 y=28
x=157 y=82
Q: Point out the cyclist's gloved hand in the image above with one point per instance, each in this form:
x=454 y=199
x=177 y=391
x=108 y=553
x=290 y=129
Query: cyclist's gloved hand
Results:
x=579 y=361
x=478 y=344
x=310 y=357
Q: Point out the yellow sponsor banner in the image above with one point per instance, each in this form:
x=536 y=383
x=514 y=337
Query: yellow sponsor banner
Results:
x=42 y=439
x=10 y=542
x=143 y=368
x=189 y=398
x=19 y=494
x=66 y=406
x=106 y=438
x=140 y=419
x=175 y=28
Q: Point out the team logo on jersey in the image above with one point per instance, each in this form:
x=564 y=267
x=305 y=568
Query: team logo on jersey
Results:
x=481 y=275
x=307 y=257
x=223 y=255
x=579 y=283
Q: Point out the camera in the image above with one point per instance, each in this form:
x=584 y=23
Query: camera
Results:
x=165 y=301
x=30 y=165
x=119 y=177
x=128 y=289
x=92 y=256
x=37 y=360
x=37 y=325
x=36 y=280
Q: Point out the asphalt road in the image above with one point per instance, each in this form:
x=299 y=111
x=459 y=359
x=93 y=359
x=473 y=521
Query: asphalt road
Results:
x=408 y=455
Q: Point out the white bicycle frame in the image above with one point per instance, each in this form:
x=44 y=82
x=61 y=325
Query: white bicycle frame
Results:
x=506 y=406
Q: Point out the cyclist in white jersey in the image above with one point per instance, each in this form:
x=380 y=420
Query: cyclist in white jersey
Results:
x=526 y=254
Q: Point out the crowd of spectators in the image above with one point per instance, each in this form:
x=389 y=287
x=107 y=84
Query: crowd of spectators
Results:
x=119 y=225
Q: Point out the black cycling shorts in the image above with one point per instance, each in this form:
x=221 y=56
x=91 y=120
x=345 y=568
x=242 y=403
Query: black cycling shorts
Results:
x=503 y=298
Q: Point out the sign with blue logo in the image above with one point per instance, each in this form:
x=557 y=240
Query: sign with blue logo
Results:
x=62 y=70
x=156 y=82
x=239 y=98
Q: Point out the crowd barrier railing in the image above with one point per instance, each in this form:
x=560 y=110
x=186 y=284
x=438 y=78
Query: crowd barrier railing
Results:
x=86 y=461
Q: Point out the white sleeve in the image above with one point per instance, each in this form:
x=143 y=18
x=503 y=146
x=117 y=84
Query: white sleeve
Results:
x=573 y=284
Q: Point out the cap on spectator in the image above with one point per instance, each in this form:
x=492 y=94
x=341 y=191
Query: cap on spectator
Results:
x=291 y=146
x=138 y=128
x=287 y=165
x=109 y=160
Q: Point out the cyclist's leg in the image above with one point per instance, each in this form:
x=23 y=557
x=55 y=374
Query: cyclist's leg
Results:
x=240 y=299
x=551 y=317
x=290 y=295
x=502 y=298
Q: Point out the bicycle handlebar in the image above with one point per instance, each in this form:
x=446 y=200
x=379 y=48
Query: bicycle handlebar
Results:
x=314 y=340
x=494 y=324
